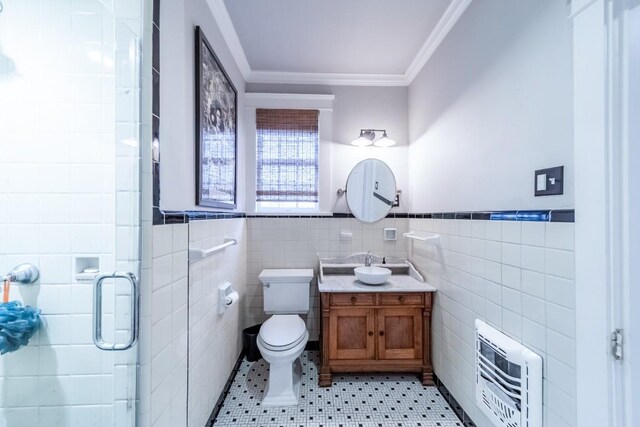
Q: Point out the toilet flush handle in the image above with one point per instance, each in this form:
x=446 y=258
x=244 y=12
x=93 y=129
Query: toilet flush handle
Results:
x=266 y=285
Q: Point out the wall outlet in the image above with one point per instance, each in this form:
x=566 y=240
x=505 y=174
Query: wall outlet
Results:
x=548 y=182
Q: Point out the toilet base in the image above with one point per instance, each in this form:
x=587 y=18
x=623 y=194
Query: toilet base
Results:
x=283 y=386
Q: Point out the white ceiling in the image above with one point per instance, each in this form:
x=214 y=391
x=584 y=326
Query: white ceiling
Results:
x=378 y=42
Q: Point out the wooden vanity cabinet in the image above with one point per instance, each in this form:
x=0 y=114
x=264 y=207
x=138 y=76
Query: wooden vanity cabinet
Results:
x=376 y=332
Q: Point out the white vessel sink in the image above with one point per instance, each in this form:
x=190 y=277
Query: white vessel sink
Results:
x=372 y=275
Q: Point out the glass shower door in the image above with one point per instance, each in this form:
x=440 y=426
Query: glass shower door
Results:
x=70 y=204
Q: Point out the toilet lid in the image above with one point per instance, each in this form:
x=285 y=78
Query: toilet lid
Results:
x=282 y=330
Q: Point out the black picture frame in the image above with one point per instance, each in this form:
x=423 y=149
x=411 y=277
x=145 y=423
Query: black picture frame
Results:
x=216 y=124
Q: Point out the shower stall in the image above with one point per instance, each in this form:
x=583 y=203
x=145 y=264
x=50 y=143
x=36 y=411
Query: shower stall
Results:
x=73 y=132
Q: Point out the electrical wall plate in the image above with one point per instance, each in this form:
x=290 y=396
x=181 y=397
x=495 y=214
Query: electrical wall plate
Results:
x=390 y=233
x=549 y=182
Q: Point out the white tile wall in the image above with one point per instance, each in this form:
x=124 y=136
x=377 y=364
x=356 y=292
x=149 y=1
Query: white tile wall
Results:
x=164 y=352
x=521 y=283
x=214 y=339
x=297 y=243
x=58 y=191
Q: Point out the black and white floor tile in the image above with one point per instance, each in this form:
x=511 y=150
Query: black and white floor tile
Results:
x=370 y=400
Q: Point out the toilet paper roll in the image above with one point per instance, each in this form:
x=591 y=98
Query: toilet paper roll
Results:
x=231 y=299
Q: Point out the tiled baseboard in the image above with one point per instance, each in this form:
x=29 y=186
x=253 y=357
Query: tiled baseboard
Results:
x=455 y=406
x=225 y=390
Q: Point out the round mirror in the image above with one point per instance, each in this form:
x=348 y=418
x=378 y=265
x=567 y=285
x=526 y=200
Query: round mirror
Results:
x=371 y=190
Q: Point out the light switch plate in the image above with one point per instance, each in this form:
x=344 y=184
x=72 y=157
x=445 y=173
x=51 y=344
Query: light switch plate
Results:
x=548 y=182
x=541 y=182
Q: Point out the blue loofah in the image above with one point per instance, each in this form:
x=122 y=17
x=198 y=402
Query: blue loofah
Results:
x=18 y=323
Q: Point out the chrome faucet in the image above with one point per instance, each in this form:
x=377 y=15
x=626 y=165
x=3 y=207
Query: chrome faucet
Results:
x=368 y=259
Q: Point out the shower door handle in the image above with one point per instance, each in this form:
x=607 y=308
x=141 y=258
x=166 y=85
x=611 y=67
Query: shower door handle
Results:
x=97 y=311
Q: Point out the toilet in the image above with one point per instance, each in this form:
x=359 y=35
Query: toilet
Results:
x=283 y=337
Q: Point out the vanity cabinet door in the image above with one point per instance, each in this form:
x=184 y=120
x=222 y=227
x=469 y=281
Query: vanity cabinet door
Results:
x=352 y=333
x=399 y=333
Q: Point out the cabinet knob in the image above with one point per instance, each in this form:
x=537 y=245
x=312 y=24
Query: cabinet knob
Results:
x=381 y=333
x=354 y=299
x=370 y=333
x=401 y=298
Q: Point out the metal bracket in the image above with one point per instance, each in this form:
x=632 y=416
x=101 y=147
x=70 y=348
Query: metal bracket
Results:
x=617 y=344
x=25 y=274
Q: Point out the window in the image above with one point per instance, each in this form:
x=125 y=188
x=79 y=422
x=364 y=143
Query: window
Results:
x=287 y=149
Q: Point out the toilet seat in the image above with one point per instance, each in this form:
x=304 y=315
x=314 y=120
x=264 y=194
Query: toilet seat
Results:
x=282 y=332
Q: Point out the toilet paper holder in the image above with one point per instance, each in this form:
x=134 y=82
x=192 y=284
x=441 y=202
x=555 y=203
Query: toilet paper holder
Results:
x=226 y=297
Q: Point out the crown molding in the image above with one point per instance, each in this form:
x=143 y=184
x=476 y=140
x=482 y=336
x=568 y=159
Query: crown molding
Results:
x=442 y=28
x=222 y=18
x=334 y=79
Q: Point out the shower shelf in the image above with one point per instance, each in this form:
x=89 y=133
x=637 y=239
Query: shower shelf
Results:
x=433 y=239
x=198 y=254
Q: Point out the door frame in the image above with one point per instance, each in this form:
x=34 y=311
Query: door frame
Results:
x=607 y=171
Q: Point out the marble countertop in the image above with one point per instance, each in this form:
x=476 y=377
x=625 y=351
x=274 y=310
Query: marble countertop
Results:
x=396 y=283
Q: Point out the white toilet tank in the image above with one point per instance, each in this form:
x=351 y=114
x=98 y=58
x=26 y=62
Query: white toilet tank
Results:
x=286 y=291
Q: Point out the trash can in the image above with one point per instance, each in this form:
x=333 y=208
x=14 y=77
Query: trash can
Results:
x=250 y=343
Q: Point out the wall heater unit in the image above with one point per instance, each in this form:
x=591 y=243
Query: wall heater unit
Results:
x=508 y=379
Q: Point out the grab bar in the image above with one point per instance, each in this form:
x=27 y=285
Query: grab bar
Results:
x=197 y=254
x=98 y=340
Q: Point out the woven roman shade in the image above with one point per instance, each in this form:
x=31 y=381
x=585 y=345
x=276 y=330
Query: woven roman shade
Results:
x=287 y=155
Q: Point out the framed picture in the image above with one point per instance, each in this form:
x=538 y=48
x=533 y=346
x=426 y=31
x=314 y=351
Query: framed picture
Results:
x=216 y=129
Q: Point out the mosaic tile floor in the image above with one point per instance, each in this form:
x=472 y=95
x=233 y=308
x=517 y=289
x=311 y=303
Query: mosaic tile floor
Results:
x=371 y=400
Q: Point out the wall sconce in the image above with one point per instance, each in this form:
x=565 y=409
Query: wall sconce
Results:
x=367 y=137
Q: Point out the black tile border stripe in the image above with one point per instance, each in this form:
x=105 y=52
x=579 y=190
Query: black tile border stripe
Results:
x=225 y=391
x=453 y=403
x=155 y=111
x=555 y=215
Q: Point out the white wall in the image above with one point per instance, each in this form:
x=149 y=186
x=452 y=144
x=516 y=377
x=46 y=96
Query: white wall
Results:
x=163 y=382
x=519 y=278
x=493 y=104
x=177 y=102
x=297 y=243
x=355 y=108
x=192 y=349
x=215 y=340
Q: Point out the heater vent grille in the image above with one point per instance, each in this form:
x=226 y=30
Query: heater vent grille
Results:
x=508 y=379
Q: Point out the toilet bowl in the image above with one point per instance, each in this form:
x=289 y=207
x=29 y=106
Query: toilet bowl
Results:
x=283 y=337
x=281 y=341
